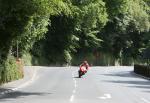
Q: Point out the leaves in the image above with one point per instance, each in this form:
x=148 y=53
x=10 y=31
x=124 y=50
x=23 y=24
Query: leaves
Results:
x=114 y=26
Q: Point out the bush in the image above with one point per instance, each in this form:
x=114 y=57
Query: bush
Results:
x=142 y=70
x=27 y=59
x=11 y=70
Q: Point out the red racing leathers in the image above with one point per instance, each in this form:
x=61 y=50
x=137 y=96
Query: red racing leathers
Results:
x=84 y=67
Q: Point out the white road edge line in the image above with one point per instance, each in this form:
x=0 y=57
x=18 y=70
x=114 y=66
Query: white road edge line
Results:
x=145 y=100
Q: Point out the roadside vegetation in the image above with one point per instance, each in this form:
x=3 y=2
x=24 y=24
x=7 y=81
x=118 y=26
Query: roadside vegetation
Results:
x=61 y=32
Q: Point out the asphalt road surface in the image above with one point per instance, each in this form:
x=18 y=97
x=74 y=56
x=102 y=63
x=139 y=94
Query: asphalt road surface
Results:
x=99 y=85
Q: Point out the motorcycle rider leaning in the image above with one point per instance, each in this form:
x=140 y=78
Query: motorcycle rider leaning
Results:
x=86 y=65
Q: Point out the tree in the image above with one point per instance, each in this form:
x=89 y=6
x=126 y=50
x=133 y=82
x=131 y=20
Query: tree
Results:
x=74 y=29
x=20 y=21
x=128 y=19
x=60 y=30
x=92 y=17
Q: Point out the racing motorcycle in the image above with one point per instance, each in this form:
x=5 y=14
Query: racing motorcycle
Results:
x=82 y=70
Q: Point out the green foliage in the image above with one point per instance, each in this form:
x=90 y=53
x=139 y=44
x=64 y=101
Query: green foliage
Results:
x=74 y=28
x=92 y=18
x=10 y=70
x=23 y=22
x=116 y=27
x=60 y=41
x=124 y=33
x=27 y=59
x=139 y=16
x=56 y=31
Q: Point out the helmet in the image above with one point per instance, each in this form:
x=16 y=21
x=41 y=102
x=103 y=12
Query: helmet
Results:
x=85 y=61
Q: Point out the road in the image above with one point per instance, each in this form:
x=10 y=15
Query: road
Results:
x=99 y=85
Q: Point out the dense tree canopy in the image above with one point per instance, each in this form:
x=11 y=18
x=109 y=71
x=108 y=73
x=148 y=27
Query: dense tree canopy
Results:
x=60 y=30
x=123 y=34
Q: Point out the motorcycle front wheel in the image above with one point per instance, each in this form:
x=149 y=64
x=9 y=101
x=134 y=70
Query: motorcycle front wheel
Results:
x=79 y=73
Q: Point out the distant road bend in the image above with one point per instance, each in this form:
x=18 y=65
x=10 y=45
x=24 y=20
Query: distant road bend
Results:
x=99 y=85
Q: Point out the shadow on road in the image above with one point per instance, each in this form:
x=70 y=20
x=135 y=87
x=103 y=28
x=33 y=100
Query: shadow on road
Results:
x=20 y=94
x=136 y=82
x=129 y=79
x=123 y=74
x=4 y=89
x=142 y=87
x=76 y=77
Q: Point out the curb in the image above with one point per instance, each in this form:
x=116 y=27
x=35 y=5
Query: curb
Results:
x=141 y=76
x=21 y=85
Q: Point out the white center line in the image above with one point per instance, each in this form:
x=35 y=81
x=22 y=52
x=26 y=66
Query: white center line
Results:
x=106 y=96
x=72 y=98
x=75 y=84
x=72 y=74
x=74 y=90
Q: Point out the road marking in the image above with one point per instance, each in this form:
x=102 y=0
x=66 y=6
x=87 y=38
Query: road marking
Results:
x=75 y=85
x=106 y=96
x=72 y=74
x=72 y=98
x=145 y=100
x=74 y=91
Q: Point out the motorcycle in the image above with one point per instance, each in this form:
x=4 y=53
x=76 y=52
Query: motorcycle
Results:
x=82 y=71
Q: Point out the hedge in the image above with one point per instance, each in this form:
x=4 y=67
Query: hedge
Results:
x=142 y=70
x=11 y=70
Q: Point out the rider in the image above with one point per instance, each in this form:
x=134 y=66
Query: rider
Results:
x=85 y=65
